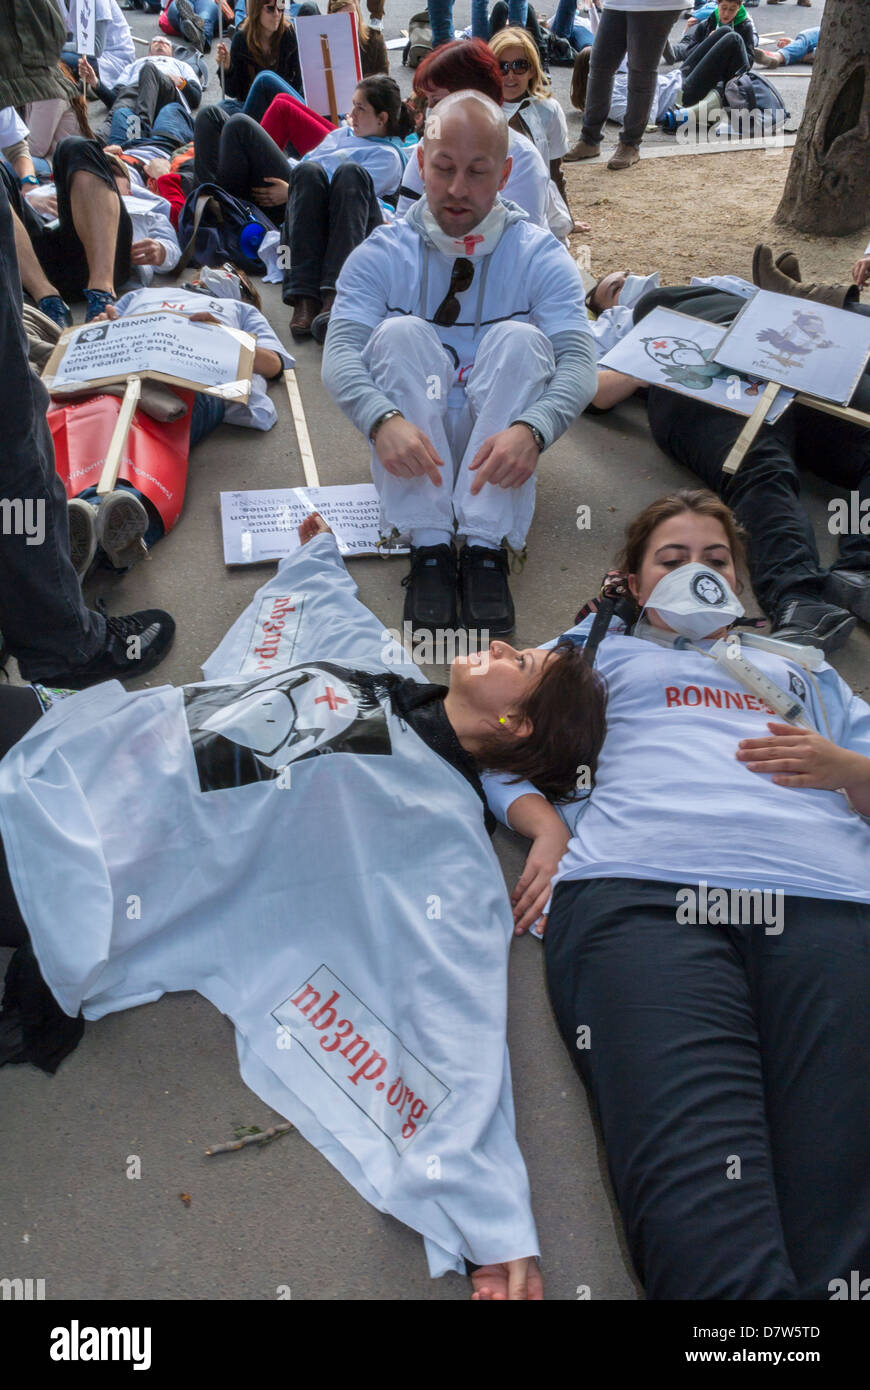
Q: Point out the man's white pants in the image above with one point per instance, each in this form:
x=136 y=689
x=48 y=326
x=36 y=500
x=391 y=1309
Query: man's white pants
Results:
x=512 y=367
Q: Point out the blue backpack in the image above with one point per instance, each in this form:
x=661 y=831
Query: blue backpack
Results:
x=210 y=229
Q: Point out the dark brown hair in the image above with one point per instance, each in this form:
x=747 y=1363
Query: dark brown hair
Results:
x=262 y=47
x=686 y=499
x=566 y=709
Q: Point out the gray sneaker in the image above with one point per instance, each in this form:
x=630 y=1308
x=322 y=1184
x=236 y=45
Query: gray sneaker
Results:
x=82 y=535
x=121 y=522
x=192 y=25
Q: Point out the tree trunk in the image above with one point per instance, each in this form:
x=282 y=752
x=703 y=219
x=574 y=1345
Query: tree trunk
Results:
x=827 y=192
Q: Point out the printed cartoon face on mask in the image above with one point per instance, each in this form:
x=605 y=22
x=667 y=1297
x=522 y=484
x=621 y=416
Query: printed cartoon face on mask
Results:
x=695 y=601
x=250 y=732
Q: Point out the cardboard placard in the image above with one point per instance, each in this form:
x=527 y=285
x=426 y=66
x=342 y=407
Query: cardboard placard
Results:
x=343 y=68
x=677 y=351
x=164 y=346
x=800 y=344
x=261 y=525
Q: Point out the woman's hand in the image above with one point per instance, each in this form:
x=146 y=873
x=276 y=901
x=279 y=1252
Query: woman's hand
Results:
x=803 y=758
x=515 y=1280
x=87 y=72
x=203 y=317
x=272 y=193
x=147 y=252
x=312 y=526
x=222 y=55
x=532 y=892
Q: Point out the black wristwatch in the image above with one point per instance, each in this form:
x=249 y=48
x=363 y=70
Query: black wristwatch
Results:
x=382 y=419
x=536 y=434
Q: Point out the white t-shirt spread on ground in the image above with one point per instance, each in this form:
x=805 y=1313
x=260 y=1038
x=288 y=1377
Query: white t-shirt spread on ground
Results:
x=257 y=412
x=527 y=184
x=672 y=803
x=348 y=914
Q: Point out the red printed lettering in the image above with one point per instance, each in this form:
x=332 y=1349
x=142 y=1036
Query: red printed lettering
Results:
x=712 y=697
x=672 y=695
x=733 y=700
x=360 y=1051
x=691 y=690
x=339 y=1036
x=376 y=1062
x=315 y=998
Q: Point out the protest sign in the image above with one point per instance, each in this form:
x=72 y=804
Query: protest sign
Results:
x=676 y=351
x=802 y=345
x=330 y=61
x=165 y=346
x=85 y=26
x=261 y=525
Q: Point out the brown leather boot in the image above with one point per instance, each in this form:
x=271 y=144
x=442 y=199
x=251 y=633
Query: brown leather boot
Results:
x=788 y=264
x=625 y=156
x=767 y=276
x=581 y=151
x=305 y=311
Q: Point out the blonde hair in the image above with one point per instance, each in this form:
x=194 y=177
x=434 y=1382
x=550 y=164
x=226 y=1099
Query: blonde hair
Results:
x=335 y=7
x=539 y=83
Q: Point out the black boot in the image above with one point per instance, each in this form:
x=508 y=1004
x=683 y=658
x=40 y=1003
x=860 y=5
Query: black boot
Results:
x=430 y=601
x=485 y=602
x=809 y=620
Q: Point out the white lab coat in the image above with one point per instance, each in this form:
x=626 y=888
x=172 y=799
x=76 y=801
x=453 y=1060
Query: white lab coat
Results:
x=367 y=879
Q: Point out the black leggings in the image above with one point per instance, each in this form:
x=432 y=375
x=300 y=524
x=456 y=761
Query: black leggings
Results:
x=728 y=1069
x=237 y=154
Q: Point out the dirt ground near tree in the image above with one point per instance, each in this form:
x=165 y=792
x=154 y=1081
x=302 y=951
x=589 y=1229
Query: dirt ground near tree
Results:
x=696 y=215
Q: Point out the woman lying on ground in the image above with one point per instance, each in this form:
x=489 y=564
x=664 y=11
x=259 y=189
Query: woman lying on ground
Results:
x=305 y=896
x=262 y=60
x=708 y=941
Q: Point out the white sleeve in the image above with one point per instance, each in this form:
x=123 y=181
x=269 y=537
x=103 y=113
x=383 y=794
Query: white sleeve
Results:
x=501 y=792
x=557 y=130
x=161 y=229
x=413 y=182
x=529 y=181
x=252 y=321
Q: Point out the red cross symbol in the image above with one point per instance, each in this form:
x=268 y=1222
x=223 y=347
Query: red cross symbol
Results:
x=469 y=242
x=662 y=344
x=330 y=698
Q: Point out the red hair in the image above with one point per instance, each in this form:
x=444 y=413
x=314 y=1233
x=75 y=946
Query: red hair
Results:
x=461 y=66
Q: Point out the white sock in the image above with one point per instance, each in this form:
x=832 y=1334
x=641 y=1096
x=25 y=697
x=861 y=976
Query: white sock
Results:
x=479 y=541
x=429 y=535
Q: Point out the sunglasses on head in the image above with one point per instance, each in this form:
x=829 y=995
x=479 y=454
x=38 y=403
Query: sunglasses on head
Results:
x=460 y=278
x=515 y=65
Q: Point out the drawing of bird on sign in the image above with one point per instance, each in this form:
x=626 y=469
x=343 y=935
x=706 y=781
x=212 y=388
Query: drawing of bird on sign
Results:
x=793 y=345
x=683 y=362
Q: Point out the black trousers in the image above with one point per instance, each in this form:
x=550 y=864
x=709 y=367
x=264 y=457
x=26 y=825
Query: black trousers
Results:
x=59 y=250
x=235 y=152
x=43 y=617
x=728 y=1071
x=325 y=221
x=716 y=59
x=765 y=492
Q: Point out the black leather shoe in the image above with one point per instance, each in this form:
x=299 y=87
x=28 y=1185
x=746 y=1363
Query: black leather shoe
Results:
x=850 y=589
x=430 y=601
x=484 y=597
x=808 y=620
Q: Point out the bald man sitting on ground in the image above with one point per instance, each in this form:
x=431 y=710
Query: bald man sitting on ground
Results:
x=459 y=345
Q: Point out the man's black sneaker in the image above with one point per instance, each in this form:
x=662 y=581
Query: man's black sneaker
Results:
x=484 y=597
x=134 y=645
x=808 y=620
x=850 y=589
x=431 y=584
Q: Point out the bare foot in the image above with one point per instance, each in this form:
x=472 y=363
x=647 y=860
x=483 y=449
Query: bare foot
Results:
x=516 y=1280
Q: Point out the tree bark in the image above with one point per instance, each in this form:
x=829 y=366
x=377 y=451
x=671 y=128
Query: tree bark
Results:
x=827 y=192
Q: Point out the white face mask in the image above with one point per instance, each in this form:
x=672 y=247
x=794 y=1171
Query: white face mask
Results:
x=476 y=243
x=695 y=600
x=219 y=282
x=635 y=286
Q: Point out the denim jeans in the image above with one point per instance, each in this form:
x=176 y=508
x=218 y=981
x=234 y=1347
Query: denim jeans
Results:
x=641 y=34
x=481 y=27
x=293 y=10
x=802 y=44
x=171 y=120
x=265 y=86
x=207 y=11
x=565 y=26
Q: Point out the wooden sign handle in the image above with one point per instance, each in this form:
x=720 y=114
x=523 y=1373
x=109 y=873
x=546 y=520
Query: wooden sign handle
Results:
x=114 y=453
x=306 y=453
x=327 y=72
x=747 y=435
